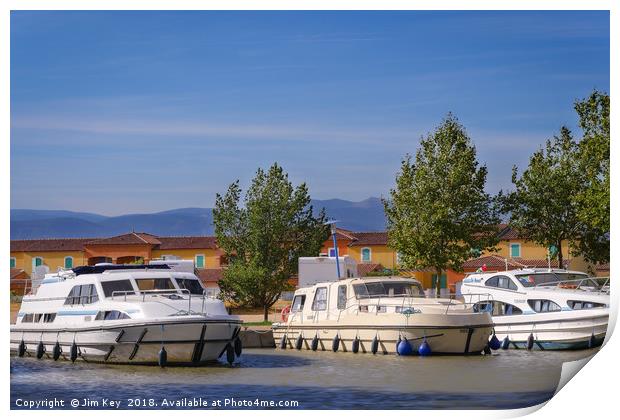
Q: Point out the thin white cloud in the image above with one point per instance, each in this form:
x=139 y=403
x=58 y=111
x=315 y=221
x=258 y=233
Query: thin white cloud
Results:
x=240 y=131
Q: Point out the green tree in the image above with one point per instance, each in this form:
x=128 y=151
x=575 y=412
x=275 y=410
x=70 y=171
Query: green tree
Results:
x=438 y=214
x=264 y=238
x=593 y=154
x=543 y=207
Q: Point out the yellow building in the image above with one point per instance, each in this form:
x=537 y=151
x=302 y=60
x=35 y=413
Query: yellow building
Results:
x=371 y=251
x=52 y=254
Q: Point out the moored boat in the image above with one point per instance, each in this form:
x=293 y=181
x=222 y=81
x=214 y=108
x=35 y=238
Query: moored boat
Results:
x=543 y=309
x=381 y=315
x=137 y=314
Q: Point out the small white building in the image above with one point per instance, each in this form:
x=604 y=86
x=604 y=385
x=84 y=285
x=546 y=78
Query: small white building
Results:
x=313 y=270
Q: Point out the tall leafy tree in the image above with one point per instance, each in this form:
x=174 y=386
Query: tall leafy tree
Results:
x=439 y=214
x=264 y=237
x=543 y=206
x=593 y=154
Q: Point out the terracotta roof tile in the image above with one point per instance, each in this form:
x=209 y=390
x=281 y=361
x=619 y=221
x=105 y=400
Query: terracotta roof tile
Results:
x=187 y=242
x=498 y=263
x=42 y=245
x=133 y=238
x=508 y=233
x=16 y=272
x=364 y=269
x=370 y=238
x=209 y=275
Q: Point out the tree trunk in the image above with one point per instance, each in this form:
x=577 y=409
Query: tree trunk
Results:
x=265 y=312
x=438 y=283
x=560 y=258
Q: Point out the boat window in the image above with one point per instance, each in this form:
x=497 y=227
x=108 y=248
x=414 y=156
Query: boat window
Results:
x=381 y=308
x=37 y=317
x=298 y=303
x=580 y=304
x=363 y=308
x=497 y=308
x=531 y=280
x=360 y=290
x=543 y=305
x=387 y=289
x=571 y=276
x=505 y=283
x=492 y=282
x=49 y=317
x=109 y=287
x=342 y=297
x=82 y=294
x=375 y=289
x=111 y=315
x=320 y=299
x=155 y=284
x=27 y=318
x=193 y=285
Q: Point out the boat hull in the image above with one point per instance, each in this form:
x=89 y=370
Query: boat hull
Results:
x=442 y=340
x=186 y=341
x=567 y=330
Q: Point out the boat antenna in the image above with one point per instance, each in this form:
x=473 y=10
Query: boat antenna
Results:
x=332 y=224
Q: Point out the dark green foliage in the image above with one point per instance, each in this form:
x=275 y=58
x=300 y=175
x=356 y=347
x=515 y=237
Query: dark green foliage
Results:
x=264 y=238
x=439 y=212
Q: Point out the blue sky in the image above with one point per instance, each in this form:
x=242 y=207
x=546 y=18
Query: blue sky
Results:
x=124 y=112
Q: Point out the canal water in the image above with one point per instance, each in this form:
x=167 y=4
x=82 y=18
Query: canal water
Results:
x=265 y=378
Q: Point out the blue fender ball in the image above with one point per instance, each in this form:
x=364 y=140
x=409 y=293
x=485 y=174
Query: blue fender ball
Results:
x=494 y=343
x=404 y=348
x=505 y=343
x=424 y=349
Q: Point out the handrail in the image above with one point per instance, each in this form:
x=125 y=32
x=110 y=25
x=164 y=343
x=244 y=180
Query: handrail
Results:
x=593 y=283
x=145 y=293
x=449 y=302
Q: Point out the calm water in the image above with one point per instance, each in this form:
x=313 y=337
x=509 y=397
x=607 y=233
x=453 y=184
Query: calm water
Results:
x=507 y=379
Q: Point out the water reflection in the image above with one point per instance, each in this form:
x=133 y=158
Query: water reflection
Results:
x=508 y=379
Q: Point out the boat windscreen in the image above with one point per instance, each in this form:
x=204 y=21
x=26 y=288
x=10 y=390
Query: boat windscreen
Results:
x=534 y=279
x=387 y=289
x=193 y=285
x=163 y=283
x=109 y=287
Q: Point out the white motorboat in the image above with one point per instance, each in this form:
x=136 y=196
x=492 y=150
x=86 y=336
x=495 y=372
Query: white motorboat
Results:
x=544 y=309
x=142 y=314
x=381 y=315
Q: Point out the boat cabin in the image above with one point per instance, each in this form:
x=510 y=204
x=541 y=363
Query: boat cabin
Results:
x=358 y=295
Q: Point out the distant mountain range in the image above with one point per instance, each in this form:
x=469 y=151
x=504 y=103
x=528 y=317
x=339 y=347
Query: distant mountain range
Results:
x=366 y=215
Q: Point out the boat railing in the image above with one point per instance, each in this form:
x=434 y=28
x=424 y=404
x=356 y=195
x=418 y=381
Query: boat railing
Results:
x=409 y=303
x=592 y=284
x=142 y=295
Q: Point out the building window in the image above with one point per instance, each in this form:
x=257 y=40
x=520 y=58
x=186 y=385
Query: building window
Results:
x=68 y=262
x=13 y=262
x=332 y=252
x=515 y=250
x=199 y=261
x=553 y=251
x=366 y=255
x=37 y=261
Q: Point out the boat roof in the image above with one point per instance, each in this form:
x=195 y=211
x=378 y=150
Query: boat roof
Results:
x=358 y=280
x=523 y=271
x=102 y=268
